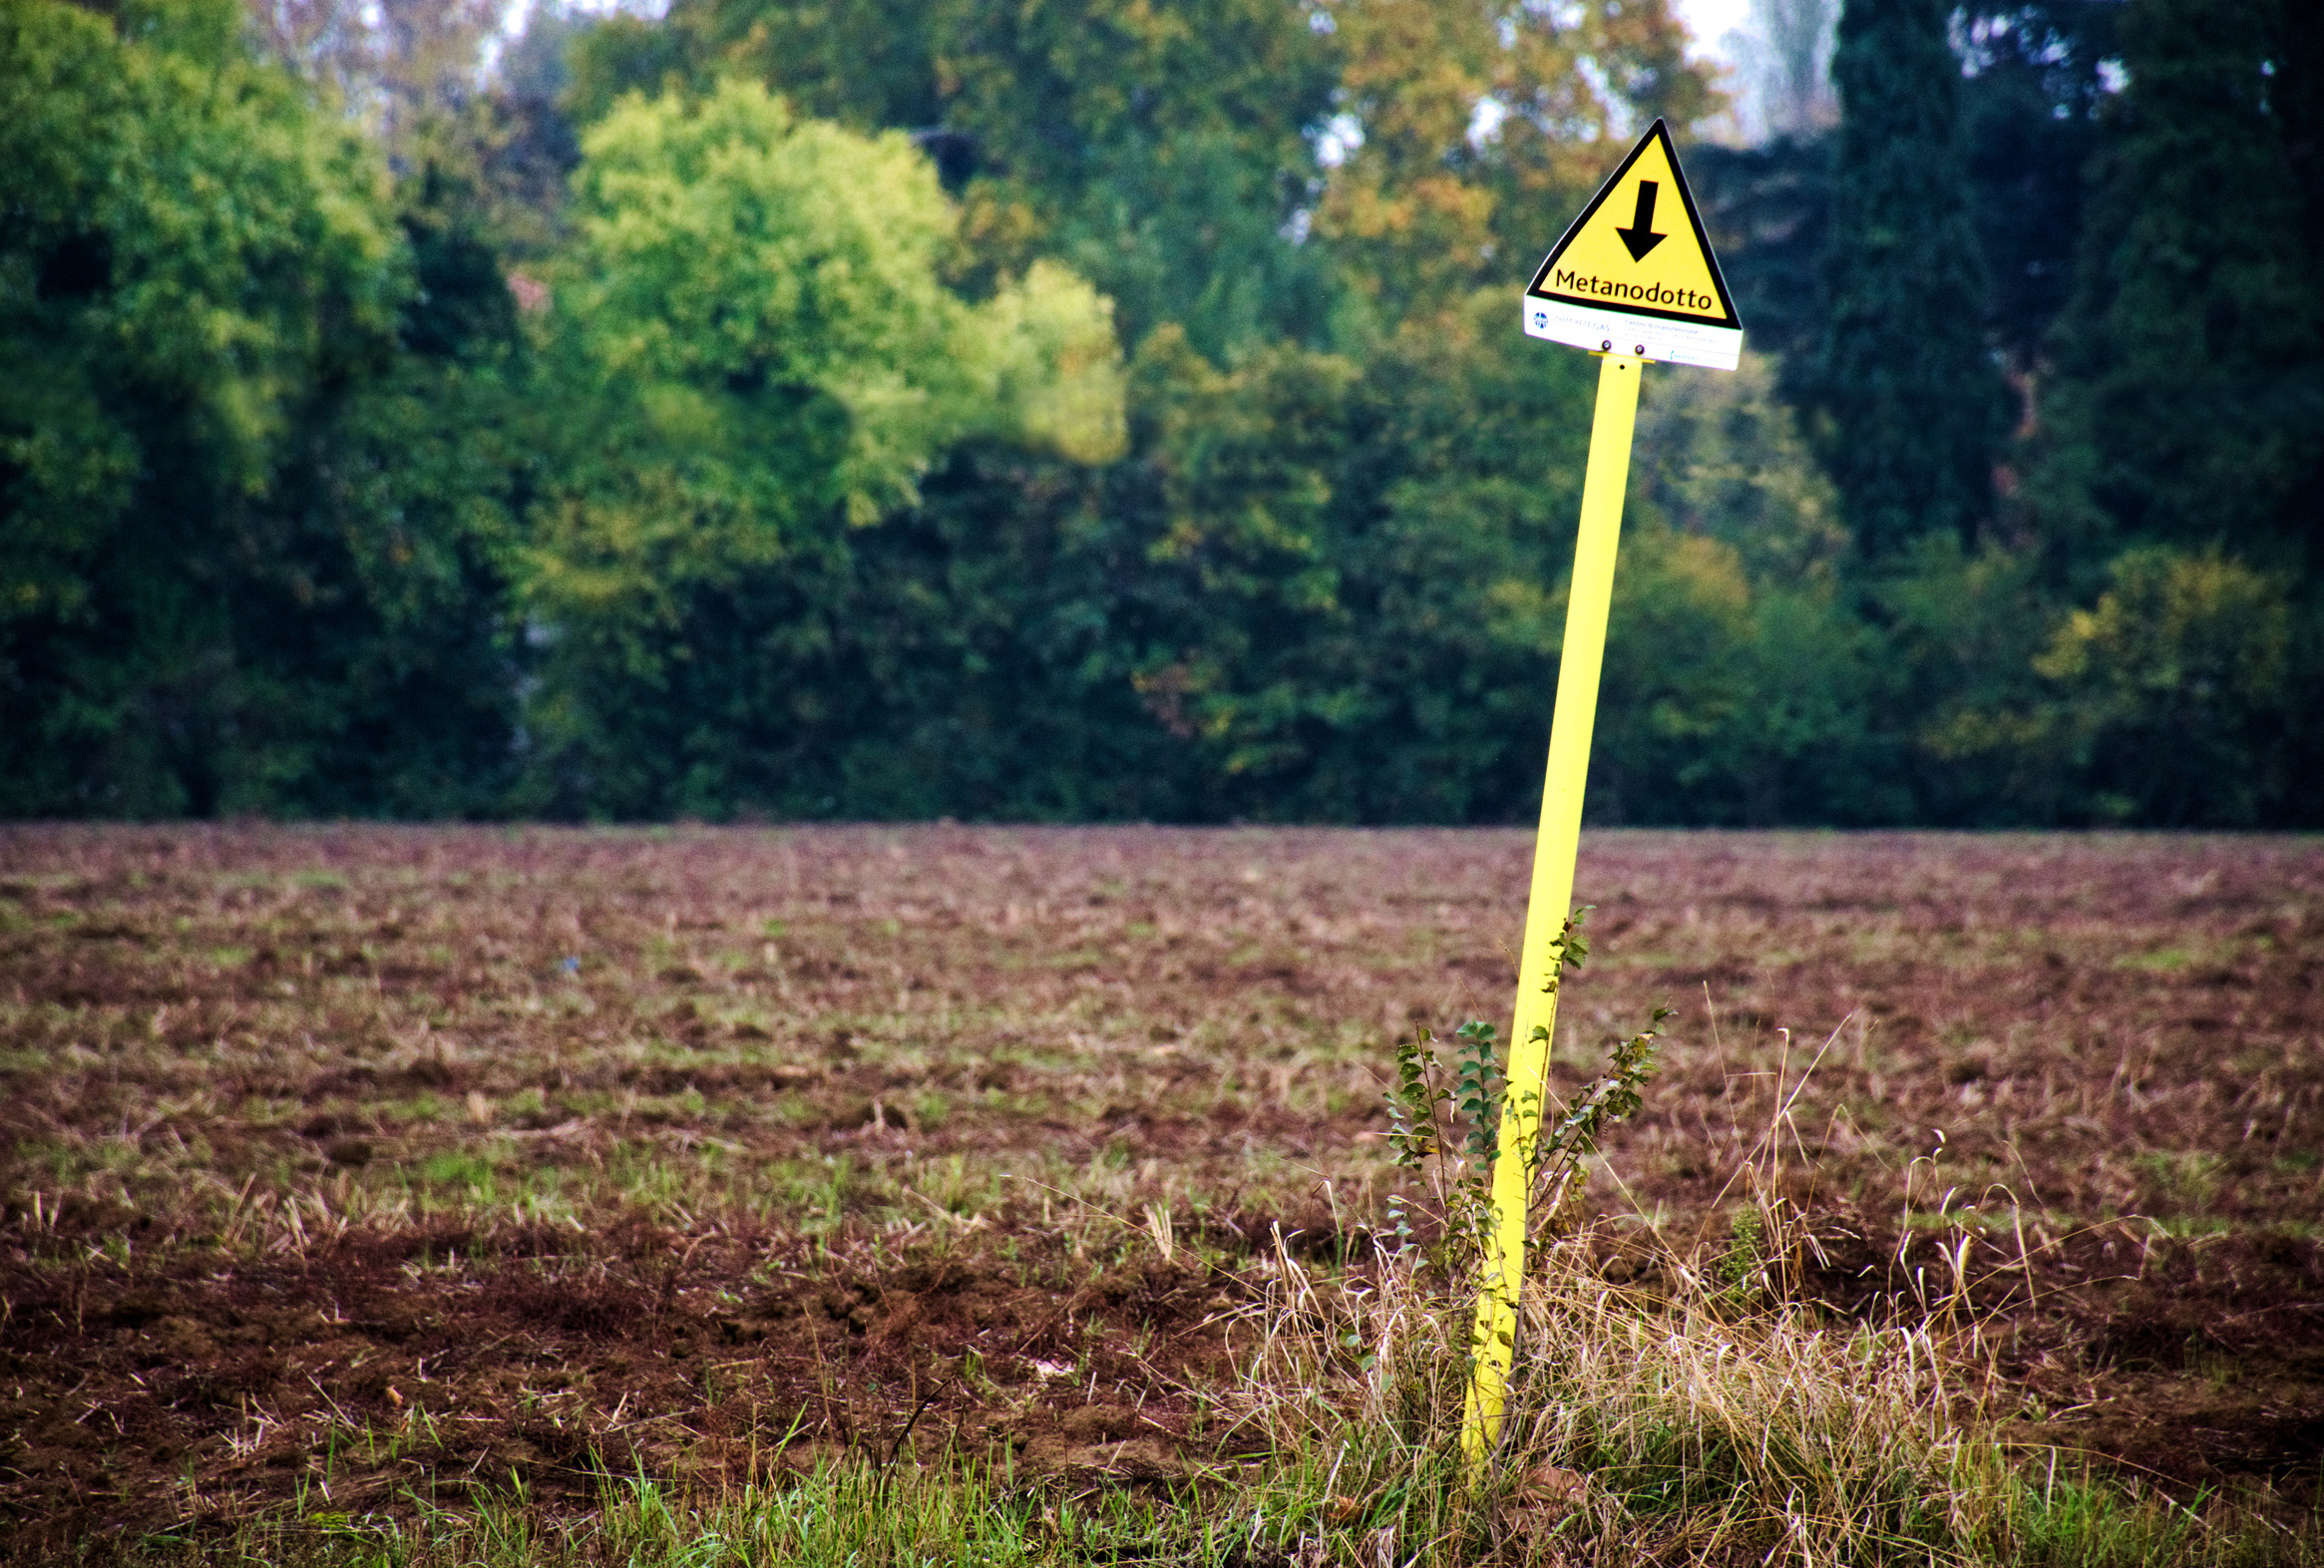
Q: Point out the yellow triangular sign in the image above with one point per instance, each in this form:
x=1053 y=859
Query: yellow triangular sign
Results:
x=1635 y=273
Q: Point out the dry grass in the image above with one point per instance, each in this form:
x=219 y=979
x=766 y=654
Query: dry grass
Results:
x=415 y=1163
x=1694 y=1420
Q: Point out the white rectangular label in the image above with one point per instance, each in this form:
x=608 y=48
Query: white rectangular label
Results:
x=1618 y=331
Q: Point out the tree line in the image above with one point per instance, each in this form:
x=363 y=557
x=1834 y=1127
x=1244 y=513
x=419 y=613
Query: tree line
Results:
x=1099 y=410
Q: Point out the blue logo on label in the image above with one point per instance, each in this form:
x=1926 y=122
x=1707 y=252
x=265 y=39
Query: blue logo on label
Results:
x=1541 y=318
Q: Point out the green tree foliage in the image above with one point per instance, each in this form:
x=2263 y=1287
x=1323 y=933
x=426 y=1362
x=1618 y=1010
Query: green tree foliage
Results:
x=232 y=572
x=1739 y=687
x=1158 y=150
x=1379 y=657
x=1480 y=127
x=1291 y=598
x=1331 y=590
x=2189 y=400
x=1768 y=210
x=2177 y=685
x=750 y=326
x=2179 y=469
x=1912 y=407
x=1098 y=409
x=1980 y=733
x=2030 y=108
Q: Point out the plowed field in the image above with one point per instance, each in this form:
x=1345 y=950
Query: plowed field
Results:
x=352 y=1167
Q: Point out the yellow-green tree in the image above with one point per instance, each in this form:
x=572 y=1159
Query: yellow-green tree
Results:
x=756 y=358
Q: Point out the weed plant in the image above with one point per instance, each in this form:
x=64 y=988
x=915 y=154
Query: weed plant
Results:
x=1429 y=1118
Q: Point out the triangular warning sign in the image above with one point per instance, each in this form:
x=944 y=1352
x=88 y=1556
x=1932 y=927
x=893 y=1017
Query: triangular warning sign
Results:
x=1635 y=272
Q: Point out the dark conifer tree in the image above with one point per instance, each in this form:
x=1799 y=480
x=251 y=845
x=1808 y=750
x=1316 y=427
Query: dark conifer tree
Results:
x=2189 y=368
x=2029 y=117
x=1913 y=405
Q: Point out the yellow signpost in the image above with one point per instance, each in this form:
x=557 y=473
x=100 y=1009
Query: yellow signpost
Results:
x=1634 y=278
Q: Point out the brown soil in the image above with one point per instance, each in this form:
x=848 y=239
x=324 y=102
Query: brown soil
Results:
x=359 y=1166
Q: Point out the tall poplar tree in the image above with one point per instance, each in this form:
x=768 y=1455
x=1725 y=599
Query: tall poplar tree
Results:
x=1913 y=404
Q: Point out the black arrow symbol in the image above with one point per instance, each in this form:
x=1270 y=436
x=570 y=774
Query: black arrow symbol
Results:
x=1640 y=235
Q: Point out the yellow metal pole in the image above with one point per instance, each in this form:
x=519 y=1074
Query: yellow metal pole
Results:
x=1554 y=849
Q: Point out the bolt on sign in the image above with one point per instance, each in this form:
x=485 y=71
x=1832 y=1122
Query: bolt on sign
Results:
x=1635 y=273
x=1633 y=280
